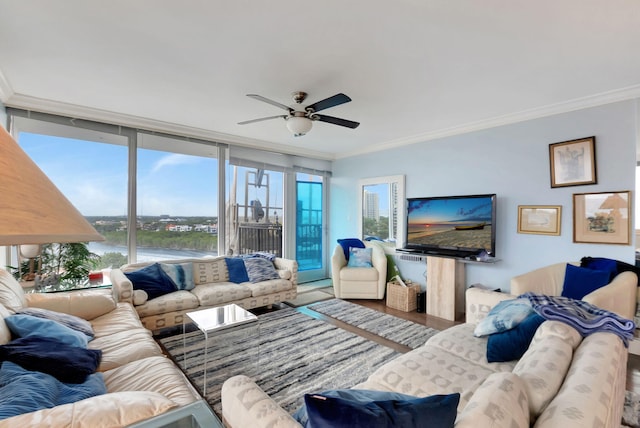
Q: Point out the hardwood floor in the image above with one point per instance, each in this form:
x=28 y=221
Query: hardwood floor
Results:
x=633 y=365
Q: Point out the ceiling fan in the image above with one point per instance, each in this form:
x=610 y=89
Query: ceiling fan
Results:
x=299 y=122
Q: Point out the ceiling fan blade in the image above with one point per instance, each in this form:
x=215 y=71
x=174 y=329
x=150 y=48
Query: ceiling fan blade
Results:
x=284 y=116
x=333 y=101
x=335 y=121
x=268 y=101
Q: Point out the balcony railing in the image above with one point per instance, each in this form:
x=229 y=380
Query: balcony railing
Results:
x=265 y=237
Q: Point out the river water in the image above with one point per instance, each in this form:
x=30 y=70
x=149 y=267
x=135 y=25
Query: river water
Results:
x=148 y=254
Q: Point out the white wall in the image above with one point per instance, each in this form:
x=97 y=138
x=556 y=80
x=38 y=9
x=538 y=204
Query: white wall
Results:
x=513 y=162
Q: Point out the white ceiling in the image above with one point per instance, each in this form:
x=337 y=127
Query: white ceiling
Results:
x=415 y=69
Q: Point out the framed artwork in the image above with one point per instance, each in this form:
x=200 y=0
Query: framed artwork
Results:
x=602 y=218
x=539 y=219
x=573 y=163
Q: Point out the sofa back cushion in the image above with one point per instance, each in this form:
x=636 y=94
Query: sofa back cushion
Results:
x=500 y=402
x=547 y=280
x=210 y=270
x=543 y=368
x=11 y=292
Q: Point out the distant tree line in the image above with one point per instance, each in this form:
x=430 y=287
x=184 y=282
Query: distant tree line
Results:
x=199 y=241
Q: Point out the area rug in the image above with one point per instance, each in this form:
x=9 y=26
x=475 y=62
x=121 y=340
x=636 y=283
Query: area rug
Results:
x=631 y=412
x=288 y=355
x=393 y=328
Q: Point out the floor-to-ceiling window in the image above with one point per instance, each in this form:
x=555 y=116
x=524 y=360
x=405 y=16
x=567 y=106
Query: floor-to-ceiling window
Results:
x=177 y=198
x=255 y=210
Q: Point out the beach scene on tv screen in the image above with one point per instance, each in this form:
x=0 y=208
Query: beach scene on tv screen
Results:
x=450 y=222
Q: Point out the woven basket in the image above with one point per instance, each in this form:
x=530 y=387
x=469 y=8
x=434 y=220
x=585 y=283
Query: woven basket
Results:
x=402 y=298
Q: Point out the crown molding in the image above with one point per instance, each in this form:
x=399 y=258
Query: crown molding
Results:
x=624 y=94
x=80 y=112
x=6 y=91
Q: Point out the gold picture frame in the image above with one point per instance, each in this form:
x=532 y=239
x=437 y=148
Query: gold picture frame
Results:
x=573 y=163
x=602 y=218
x=539 y=219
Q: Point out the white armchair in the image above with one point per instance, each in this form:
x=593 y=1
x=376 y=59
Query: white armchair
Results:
x=359 y=282
x=618 y=296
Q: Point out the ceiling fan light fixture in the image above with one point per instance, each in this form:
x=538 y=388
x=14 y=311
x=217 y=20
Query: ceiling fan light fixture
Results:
x=299 y=125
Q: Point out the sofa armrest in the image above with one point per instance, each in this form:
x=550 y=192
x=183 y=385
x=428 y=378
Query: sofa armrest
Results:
x=121 y=287
x=86 y=304
x=288 y=264
x=618 y=296
x=480 y=302
x=244 y=404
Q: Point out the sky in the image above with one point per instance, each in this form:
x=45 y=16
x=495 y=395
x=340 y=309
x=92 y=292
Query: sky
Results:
x=93 y=176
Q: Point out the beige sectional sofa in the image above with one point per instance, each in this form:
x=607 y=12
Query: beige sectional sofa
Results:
x=212 y=288
x=562 y=380
x=141 y=382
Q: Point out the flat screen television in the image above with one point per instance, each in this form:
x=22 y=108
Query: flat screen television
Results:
x=458 y=226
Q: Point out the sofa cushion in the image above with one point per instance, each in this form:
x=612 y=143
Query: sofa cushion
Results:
x=237 y=270
x=24 y=391
x=11 y=293
x=221 y=292
x=267 y=287
x=67 y=363
x=597 y=377
x=30 y=326
x=338 y=412
x=124 y=347
x=122 y=318
x=543 y=368
x=86 y=304
x=500 y=402
x=71 y=321
x=181 y=274
x=452 y=360
x=512 y=344
x=504 y=316
x=578 y=282
x=156 y=374
x=259 y=269
x=152 y=279
x=176 y=301
x=116 y=409
x=210 y=270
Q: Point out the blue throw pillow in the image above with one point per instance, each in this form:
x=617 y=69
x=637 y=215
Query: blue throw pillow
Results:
x=181 y=274
x=334 y=412
x=360 y=257
x=578 y=282
x=237 y=270
x=66 y=363
x=259 y=269
x=68 y=320
x=512 y=344
x=23 y=391
x=358 y=395
x=152 y=280
x=504 y=316
x=350 y=243
x=27 y=326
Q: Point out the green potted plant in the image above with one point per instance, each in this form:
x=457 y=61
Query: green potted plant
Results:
x=66 y=265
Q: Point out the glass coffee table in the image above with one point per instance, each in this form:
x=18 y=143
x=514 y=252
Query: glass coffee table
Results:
x=211 y=321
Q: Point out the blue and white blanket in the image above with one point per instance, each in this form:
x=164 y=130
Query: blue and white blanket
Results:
x=583 y=316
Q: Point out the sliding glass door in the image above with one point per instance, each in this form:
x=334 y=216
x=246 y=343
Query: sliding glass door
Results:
x=309 y=238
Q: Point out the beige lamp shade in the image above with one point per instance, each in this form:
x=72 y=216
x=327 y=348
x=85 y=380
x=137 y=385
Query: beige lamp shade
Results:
x=32 y=209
